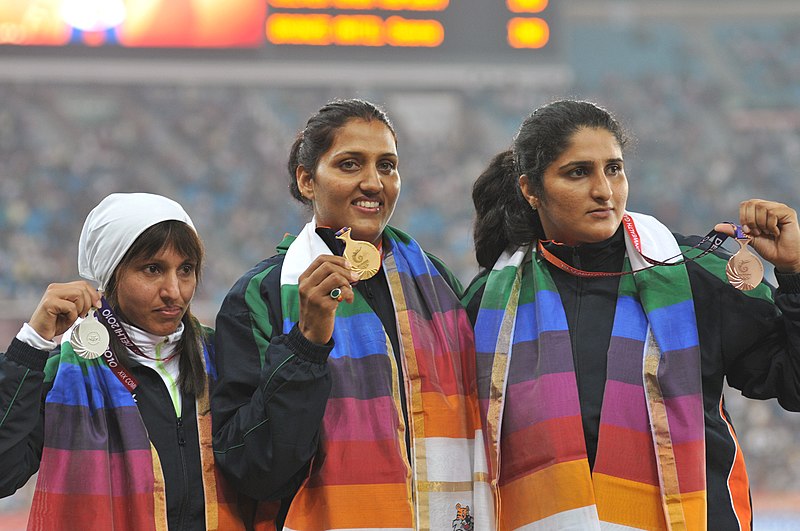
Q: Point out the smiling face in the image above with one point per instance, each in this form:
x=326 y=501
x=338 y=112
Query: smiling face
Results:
x=356 y=182
x=585 y=189
x=153 y=293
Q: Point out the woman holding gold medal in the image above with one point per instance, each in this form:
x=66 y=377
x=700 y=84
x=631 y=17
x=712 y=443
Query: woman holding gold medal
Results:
x=603 y=340
x=117 y=419
x=347 y=383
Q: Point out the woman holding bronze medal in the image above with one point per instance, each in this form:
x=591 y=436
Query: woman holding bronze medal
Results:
x=346 y=362
x=117 y=419
x=603 y=339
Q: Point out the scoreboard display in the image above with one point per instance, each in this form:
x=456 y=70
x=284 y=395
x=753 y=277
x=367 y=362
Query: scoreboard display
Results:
x=494 y=31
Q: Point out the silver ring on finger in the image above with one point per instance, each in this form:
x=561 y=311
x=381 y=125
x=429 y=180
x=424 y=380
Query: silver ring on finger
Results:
x=336 y=294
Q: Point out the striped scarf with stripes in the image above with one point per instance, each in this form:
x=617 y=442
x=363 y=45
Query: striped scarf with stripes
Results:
x=650 y=467
x=99 y=469
x=361 y=477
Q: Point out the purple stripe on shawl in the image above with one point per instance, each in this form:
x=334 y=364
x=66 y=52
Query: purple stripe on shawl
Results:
x=686 y=421
x=75 y=428
x=364 y=378
x=434 y=290
x=628 y=365
x=373 y=419
x=526 y=363
x=624 y=406
x=558 y=391
x=683 y=368
x=95 y=472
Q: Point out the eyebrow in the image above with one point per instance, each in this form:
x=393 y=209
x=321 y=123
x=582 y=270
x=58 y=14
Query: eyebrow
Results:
x=357 y=153
x=587 y=163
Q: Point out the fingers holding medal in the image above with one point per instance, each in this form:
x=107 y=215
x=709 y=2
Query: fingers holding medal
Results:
x=61 y=305
x=773 y=231
x=322 y=287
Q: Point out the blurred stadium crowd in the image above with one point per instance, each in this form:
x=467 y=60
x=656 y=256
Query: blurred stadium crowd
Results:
x=714 y=109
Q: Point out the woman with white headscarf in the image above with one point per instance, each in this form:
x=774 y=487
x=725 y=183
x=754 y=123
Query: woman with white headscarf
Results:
x=117 y=419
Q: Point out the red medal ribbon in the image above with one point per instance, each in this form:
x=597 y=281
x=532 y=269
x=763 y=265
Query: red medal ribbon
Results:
x=716 y=239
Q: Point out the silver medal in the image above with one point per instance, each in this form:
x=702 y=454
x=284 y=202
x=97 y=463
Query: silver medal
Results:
x=90 y=338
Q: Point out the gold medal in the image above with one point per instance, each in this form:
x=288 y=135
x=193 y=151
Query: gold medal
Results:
x=364 y=257
x=744 y=270
x=89 y=339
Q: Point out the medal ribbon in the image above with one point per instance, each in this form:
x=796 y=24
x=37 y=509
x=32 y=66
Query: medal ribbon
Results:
x=106 y=315
x=716 y=238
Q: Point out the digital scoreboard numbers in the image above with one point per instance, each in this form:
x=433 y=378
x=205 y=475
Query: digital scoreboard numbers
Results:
x=414 y=30
x=491 y=32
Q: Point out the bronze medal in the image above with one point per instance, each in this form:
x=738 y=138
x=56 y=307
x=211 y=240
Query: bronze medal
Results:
x=364 y=257
x=89 y=339
x=744 y=270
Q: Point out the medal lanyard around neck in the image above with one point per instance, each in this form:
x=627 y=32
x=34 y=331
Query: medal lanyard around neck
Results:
x=714 y=237
x=106 y=316
x=112 y=322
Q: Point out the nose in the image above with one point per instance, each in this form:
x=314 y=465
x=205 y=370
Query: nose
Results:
x=601 y=187
x=170 y=286
x=371 y=182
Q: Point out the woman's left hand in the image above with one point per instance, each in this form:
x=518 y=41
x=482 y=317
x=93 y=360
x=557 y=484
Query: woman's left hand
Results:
x=774 y=232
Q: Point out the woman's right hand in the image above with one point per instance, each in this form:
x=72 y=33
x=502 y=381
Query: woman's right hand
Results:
x=61 y=305
x=317 y=307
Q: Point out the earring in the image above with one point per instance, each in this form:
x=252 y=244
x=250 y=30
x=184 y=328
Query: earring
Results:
x=533 y=205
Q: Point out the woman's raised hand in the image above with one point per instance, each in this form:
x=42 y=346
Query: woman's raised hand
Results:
x=61 y=305
x=774 y=232
x=318 y=300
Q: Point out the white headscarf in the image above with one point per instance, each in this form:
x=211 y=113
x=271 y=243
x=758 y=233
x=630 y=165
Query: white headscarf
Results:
x=112 y=226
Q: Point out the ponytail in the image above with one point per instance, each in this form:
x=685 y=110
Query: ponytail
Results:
x=502 y=216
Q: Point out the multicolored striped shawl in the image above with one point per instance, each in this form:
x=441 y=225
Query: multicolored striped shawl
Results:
x=98 y=468
x=361 y=477
x=650 y=467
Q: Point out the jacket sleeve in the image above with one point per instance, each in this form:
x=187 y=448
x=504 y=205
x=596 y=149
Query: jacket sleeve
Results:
x=752 y=339
x=270 y=395
x=761 y=346
x=21 y=415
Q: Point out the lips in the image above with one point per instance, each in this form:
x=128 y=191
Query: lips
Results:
x=368 y=204
x=171 y=312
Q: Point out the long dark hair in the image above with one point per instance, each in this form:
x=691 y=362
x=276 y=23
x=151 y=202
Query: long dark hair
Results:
x=181 y=238
x=503 y=217
x=320 y=131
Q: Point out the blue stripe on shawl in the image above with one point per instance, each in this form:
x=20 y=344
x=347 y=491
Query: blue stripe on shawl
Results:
x=550 y=315
x=416 y=259
x=635 y=325
x=355 y=347
x=70 y=387
x=675 y=333
x=487 y=328
x=211 y=359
